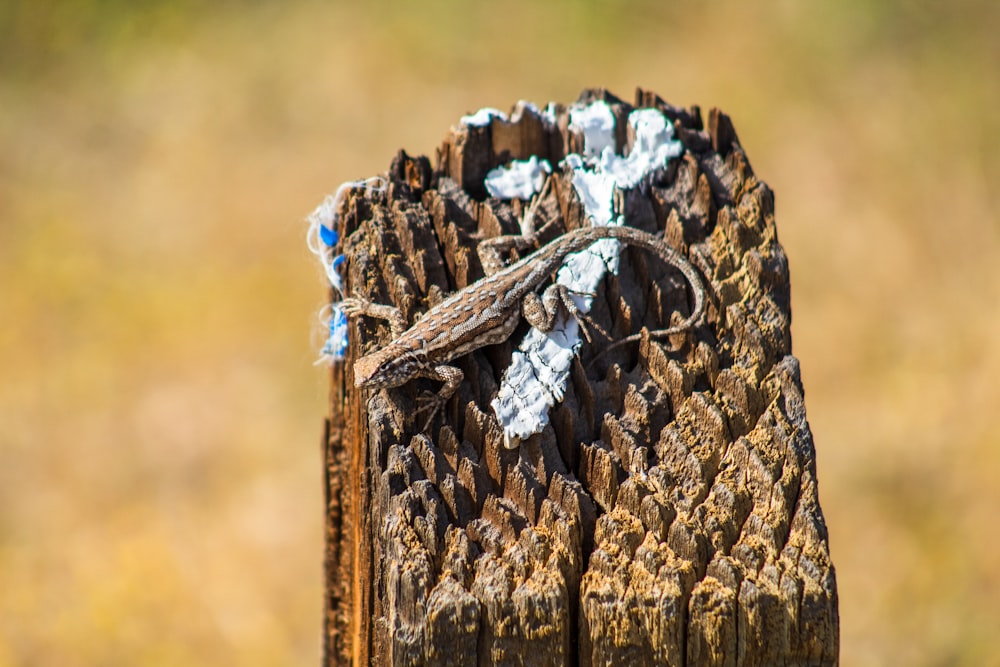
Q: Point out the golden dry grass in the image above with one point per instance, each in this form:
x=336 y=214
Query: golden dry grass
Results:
x=160 y=493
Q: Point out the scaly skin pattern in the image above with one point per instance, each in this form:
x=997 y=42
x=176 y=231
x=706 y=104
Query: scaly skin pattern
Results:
x=487 y=312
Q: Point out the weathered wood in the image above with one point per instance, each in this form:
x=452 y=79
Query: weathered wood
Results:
x=668 y=515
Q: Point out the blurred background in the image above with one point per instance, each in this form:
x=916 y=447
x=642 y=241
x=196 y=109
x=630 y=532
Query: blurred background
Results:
x=160 y=416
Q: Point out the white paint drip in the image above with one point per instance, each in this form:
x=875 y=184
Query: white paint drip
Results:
x=539 y=370
x=596 y=192
x=520 y=179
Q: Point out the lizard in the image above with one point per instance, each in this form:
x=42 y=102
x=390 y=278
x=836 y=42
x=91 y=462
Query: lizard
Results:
x=487 y=311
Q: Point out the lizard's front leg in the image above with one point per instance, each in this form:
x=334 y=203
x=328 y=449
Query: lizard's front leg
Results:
x=452 y=377
x=354 y=306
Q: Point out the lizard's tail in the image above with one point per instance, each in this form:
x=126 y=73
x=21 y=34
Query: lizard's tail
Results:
x=635 y=237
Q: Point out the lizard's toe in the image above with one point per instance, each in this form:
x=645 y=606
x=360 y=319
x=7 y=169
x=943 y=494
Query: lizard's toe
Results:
x=429 y=403
x=352 y=305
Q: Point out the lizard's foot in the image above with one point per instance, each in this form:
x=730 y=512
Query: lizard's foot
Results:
x=353 y=306
x=356 y=306
x=542 y=312
x=586 y=323
x=429 y=403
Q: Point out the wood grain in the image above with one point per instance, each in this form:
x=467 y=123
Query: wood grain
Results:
x=668 y=515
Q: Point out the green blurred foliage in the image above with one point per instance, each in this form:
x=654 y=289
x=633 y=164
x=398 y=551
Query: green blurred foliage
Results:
x=160 y=498
x=37 y=35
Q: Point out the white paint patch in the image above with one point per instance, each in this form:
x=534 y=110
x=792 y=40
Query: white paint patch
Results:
x=521 y=107
x=549 y=114
x=483 y=117
x=521 y=179
x=539 y=370
x=525 y=388
x=486 y=115
x=597 y=123
x=654 y=146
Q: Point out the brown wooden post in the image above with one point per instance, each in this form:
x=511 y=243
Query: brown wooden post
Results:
x=668 y=515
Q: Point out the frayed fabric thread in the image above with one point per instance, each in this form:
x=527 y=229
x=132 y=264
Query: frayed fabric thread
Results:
x=333 y=319
x=322 y=238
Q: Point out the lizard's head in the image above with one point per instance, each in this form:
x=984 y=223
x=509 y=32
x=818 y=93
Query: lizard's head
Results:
x=390 y=366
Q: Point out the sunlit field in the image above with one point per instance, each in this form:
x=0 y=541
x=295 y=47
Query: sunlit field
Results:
x=160 y=414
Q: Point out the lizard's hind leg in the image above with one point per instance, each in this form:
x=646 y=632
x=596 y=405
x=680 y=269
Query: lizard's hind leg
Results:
x=492 y=252
x=541 y=311
x=452 y=377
